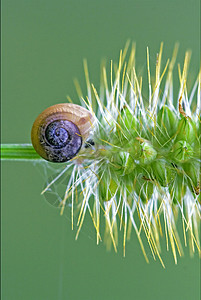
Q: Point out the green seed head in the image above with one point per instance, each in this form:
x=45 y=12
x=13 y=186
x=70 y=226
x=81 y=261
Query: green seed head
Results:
x=144 y=166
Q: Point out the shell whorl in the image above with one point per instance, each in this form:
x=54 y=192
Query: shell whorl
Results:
x=58 y=132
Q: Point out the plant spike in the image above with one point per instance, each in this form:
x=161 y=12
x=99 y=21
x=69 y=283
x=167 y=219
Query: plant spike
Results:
x=140 y=167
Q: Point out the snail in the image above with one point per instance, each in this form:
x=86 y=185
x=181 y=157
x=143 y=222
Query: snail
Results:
x=59 y=131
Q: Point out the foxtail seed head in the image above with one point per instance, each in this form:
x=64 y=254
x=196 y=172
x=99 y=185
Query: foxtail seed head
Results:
x=143 y=168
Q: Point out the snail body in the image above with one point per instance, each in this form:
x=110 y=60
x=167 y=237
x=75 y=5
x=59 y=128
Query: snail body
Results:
x=59 y=131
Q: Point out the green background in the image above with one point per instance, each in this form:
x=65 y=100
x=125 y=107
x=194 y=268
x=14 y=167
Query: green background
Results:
x=43 y=45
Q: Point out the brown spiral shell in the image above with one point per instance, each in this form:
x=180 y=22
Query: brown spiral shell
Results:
x=59 y=131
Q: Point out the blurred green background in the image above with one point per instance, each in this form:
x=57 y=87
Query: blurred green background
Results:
x=43 y=46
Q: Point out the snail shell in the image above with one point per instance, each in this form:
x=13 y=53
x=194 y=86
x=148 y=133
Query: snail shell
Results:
x=58 y=132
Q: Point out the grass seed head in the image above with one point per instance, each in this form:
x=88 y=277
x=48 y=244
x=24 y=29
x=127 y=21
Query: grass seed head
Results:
x=141 y=170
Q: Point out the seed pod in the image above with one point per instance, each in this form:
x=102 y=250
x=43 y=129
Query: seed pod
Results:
x=166 y=126
x=192 y=170
x=182 y=151
x=177 y=188
x=159 y=172
x=143 y=151
x=126 y=162
x=143 y=187
x=127 y=128
x=128 y=122
x=186 y=130
x=107 y=189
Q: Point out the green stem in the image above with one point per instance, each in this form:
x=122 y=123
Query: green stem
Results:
x=19 y=152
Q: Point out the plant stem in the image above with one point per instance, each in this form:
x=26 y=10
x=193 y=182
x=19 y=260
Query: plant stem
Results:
x=19 y=152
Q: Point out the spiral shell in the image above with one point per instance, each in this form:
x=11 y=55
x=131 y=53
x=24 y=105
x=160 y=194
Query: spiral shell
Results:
x=59 y=131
